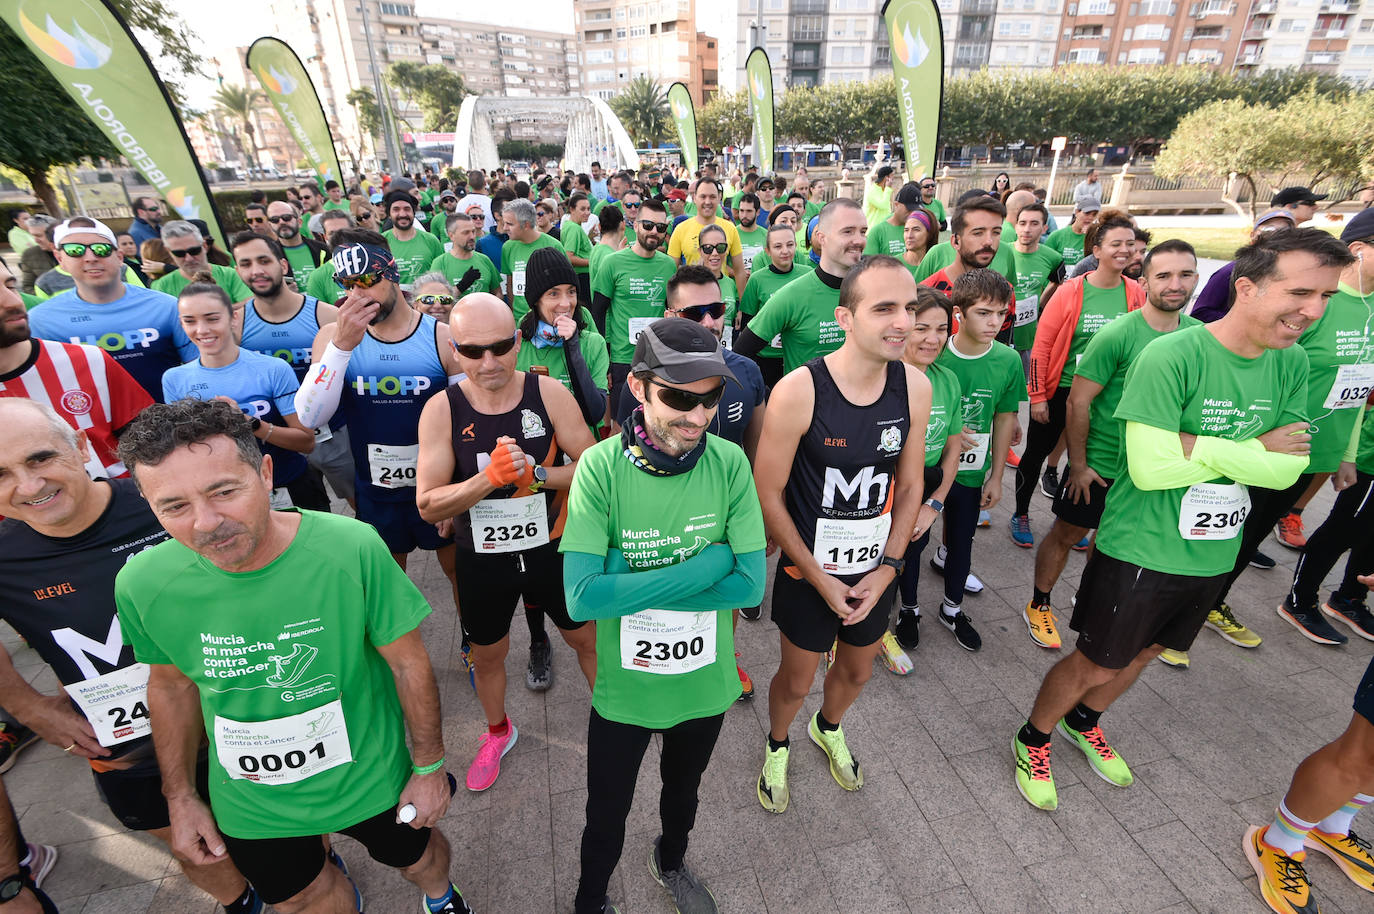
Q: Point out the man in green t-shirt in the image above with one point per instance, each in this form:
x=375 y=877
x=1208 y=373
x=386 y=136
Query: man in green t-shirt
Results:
x=878 y=194
x=1092 y=430
x=929 y=201
x=764 y=281
x=462 y=258
x=1038 y=274
x=334 y=196
x=1068 y=241
x=663 y=538
x=753 y=237
x=577 y=244
x=519 y=222
x=304 y=254
x=448 y=205
x=184 y=242
x=1208 y=411
x=887 y=235
x=413 y=248
x=302 y=665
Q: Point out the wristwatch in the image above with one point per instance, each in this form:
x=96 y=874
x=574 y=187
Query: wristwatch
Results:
x=254 y=425
x=935 y=503
x=11 y=887
x=541 y=476
x=897 y=564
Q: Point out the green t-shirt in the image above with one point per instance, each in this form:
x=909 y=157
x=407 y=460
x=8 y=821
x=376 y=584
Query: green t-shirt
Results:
x=295 y=637
x=455 y=269
x=1335 y=394
x=1100 y=308
x=413 y=257
x=342 y=205
x=1033 y=272
x=656 y=521
x=812 y=209
x=730 y=295
x=803 y=312
x=1188 y=382
x=752 y=241
x=438 y=227
x=321 y=284
x=946 y=405
x=886 y=238
x=989 y=384
x=1067 y=242
x=227 y=278
x=302 y=261
x=555 y=363
x=637 y=287
x=938 y=208
x=1105 y=361
x=576 y=244
x=599 y=253
x=943 y=254
x=514 y=256
x=799 y=259
x=763 y=282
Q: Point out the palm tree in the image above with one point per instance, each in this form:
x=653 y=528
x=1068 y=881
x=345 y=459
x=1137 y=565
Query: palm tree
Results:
x=643 y=109
x=236 y=103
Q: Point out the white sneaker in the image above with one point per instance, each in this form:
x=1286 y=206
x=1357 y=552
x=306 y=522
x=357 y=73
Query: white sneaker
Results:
x=972 y=584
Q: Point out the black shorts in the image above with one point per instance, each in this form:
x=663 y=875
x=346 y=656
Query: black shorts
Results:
x=399 y=522
x=1123 y=609
x=490 y=586
x=280 y=868
x=1081 y=515
x=804 y=617
x=1364 y=694
x=135 y=797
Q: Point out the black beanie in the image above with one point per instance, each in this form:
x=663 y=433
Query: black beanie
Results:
x=546 y=268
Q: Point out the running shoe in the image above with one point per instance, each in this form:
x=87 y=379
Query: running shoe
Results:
x=1083 y=544
x=1311 y=623
x=688 y=894
x=455 y=904
x=843 y=767
x=1352 y=613
x=14 y=739
x=751 y=613
x=1176 y=659
x=1350 y=852
x=42 y=858
x=746 y=684
x=1013 y=461
x=1042 y=625
x=1049 y=482
x=1289 y=531
x=1262 y=561
x=894 y=658
x=1033 y=777
x=1283 y=882
x=335 y=859
x=984 y=519
x=470 y=667
x=1021 y=531
x=772 y=786
x=490 y=750
x=908 y=628
x=972 y=584
x=539 y=674
x=1102 y=757
x=963 y=630
x=1222 y=621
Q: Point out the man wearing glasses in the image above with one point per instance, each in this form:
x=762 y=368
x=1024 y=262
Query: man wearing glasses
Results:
x=304 y=254
x=255 y=215
x=684 y=246
x=629 y=288
x=187 y=247
x=630 y=205
x=138 y=327
x=497 y=455
x=935 y=206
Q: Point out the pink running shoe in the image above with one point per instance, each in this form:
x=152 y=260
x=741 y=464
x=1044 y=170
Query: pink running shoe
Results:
x=490 y=750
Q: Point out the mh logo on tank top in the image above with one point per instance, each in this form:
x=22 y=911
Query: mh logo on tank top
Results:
x=857 y=493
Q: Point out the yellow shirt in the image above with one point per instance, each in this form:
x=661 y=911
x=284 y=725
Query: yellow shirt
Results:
x=686 y=243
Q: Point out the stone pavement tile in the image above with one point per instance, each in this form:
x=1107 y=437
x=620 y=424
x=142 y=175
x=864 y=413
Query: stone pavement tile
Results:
x=1134 y=808
x=126 y=898
x=642 y=895
x=1029 y=832
x=944 y=717
x=929 y=777
x=956 y=900
x=468 y=836
x=960 y=672
x=523 y=885
x=1205 y=814
x=988 y=866
x=904 y=839
x=113 y=861
x=519 y=812
x=569 y=818
x=176 y=895
x=45 y=774
x=60 y=822
x=567 y=745
x=1197 y=870
x=861 y=881
x=797 y=884
x=826 y=811
x=736 y=890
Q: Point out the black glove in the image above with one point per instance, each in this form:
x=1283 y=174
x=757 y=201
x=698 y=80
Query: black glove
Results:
x=471 y=276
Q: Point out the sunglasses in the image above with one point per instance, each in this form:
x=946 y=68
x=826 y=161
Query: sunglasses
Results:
x=256 y=220
x=275 y=219
x=718 y=248
x=684 y=401
x=632 y=205
x=99 y=249
x=362 y=217
x=475 y=351
x=660 y=227
x=430 y=300
x=188 y=252
x=698 y=312
x=362 y=281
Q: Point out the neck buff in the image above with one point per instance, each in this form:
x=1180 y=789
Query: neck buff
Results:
x=546 y=336
x=640 y=449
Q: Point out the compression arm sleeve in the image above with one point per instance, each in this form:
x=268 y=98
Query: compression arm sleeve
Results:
x=1352 y=449
x=601 y=305
x=742 y=587
x=1155 y=459
x=749 y=343
x=594 y=593
x=590 y=399
x=319 y=393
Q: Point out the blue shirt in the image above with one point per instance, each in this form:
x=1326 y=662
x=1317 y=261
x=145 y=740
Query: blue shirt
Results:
x=263 y=387
x=140 y=330
x=142 y=231
x=290 y=341
x=599 y=188
x=736 y=405
x=491 y=244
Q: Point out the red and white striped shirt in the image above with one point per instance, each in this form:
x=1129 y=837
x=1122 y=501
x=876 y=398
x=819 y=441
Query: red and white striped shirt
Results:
x=88 y=389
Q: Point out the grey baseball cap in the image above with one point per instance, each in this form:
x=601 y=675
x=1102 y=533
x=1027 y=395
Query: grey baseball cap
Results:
x=680 y=351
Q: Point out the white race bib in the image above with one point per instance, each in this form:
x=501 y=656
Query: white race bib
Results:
x=1353 y=383
x=975 y=457
x=1213 y=511
x=1027 y=310
x=285 y=750
x=322 y=434
x=280 y=499
x=636 y=327
x=667 y=643
x=509 y=524
x=517 y=282
x=392 y=466
x=849 y=545
x=777 y=342
x=727 y=336
x=116 y=704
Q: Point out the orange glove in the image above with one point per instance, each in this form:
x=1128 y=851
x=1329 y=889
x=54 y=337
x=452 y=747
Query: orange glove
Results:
x=502 y=472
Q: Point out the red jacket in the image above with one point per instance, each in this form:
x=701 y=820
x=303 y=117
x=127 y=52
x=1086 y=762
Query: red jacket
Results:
x=1055 y=329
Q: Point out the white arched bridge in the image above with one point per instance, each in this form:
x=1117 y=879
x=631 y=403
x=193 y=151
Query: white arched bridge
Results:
x=595 y=134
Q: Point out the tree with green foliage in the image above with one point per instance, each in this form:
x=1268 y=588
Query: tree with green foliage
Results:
x=436 y=90
x=162 y=34
x=643 y=110
x=724 y=121
x=365 y=108
x=235 y=104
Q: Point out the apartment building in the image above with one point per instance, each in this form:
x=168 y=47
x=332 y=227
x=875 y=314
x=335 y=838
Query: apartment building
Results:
x=619 y=40
x=276 y=146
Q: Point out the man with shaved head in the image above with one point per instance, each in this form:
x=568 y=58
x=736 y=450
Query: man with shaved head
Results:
x=490 y=447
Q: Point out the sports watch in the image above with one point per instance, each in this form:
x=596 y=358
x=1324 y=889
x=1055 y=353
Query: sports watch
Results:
x=541 y=476
x=935 y=503
x=897 y=564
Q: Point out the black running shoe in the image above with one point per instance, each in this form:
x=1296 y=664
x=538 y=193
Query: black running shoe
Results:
x=752 y=613
x=1049 y=482
x=1260 y=560
x=908 y=630
x=963 y=630
x=1311 y=623
x=1353 y=613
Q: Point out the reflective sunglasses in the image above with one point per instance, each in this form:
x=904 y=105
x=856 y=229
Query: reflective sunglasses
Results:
x=684 y=401
x=429 y=300
x=76 y=249
x=633 y=205
x=361 y=281
x=475 y=351
x=660 y=227
x=718 y=248
x=276 y=219
x=697 y=312
x=188 y=252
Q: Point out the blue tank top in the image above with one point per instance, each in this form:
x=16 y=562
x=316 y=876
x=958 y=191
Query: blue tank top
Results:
x=388 y=385
x=289 y=341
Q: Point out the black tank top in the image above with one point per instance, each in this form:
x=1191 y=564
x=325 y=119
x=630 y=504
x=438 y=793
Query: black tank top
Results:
x=474 y=435
x=841 y=486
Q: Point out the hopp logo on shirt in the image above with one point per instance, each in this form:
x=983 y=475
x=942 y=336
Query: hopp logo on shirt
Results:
x=121 y=340
x=390 y=385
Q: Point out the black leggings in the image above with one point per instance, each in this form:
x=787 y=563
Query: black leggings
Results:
x=1349 y=526
x=961 y=522
x=614 y=751
x=911 y=572
x=1266 y=507
x=1041 y=438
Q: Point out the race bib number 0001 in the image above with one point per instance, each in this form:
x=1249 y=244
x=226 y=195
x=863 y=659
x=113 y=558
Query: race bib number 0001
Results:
x=286 y=750
x=392 y=466
x=850 y=546
x=1353 y=383
x=116 y=704
x=975 y=457
x=509 y=524
x=667 y=643
x=636 y=326
x=1213 y=511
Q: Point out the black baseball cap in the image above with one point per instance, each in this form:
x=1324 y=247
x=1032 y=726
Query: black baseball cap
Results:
x=1360 y=227
x=1291 y=196
x=680 y=351
x=909 y=195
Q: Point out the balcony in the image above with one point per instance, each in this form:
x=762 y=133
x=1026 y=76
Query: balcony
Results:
x=1266 y=6
x=1212 y=9
x=809 y=7
x=801 y=34
x=1248 y=60
x=1330 y=33
x=1339 y=6
x=978 y=7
